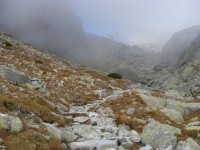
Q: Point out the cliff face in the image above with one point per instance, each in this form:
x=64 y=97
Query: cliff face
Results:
x=183 y=73
x=179 y=43
x=47 y=103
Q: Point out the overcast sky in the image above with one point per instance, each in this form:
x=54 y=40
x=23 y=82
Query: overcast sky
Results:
x=137 y=20
x=130 y=21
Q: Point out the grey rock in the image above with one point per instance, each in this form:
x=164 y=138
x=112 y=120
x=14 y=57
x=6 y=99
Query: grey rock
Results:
x=63 y=146
x=127 y=144
x=188 y=144
x=173 y=114
x=161 y=103
x=67 y=136
x=111 y=129
x=81 y=119
x=193 y=126
x=146 y=147
x=16 y=77
x=194 y=119
x=159 y=135
x=100 y=111
x=16 y=124
x=62 y=107
x=123 y=131
x=103 y=121
x=173 y=94
x=108 y=110
x=87 y=131
x=105 y=144
x=4 y=124
x=86 y=145
x=53 y=130
x=11 y=123
x=130 y=111
x=134 y=136
x=121 y=148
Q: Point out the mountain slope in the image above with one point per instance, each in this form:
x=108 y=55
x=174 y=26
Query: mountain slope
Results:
x=179 y=43
x=183 y=74
x=47 y=103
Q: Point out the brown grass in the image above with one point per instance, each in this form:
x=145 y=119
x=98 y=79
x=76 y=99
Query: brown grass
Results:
x=28 y=106
x=26 y=140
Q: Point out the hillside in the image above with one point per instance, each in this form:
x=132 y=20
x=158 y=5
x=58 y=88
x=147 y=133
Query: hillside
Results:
x=183 y=72
x=47 y=103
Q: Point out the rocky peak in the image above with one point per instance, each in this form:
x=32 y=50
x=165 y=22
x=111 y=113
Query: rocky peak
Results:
x=179 y=43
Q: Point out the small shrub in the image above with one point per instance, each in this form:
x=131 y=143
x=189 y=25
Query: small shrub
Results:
x=8 y=43
x=115 y=75
x=39 y=61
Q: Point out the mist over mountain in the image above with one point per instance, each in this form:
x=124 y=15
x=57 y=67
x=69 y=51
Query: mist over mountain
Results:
x=90 y=75
x=179 y=43
x=56 y=27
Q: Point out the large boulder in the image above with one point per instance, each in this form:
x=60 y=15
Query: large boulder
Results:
x=173 y=114
x=159 y=135
x=10 y=123
x=162 y=103
x=188 y=144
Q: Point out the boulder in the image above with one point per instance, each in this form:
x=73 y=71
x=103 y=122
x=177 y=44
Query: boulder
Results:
x=134 y=136
x=11 y=123
x=162 y=103
x=53 y=130
x=16 y=77
x=146 y=147
x=123 y=131
x=159 y=135
x=106 y=144
x=173 y=94
x=193 y=126
x=16 y=124
x=67 y=136
x=173 y=114
x=127 y=144
x=81 y=119
x=87 y=131
x=63 y=146
x=86 y=145
x=188 y=144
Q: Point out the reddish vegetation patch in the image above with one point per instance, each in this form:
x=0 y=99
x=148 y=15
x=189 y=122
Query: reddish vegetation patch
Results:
x=131 y=100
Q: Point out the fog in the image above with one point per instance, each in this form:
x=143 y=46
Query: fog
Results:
x=129 y=21
x=86 y=31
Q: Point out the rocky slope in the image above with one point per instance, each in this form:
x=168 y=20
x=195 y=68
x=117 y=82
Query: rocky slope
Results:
x=179 y=43
x=46 y=103
x=183 y=74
